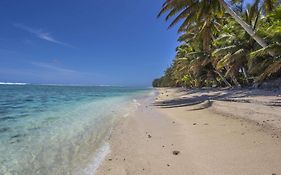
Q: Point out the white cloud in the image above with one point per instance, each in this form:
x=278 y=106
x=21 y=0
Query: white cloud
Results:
x=53 y=67
x=39 y=33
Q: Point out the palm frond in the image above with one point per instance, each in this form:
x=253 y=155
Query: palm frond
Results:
x=270 y=70
x=223 y=62
x=184 y=14
x=276 y=48
x=224 y=50
x=196 y=54
x=184 y=26
x=186 y=36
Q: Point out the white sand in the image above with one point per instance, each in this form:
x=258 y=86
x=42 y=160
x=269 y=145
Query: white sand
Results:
x=214 y=136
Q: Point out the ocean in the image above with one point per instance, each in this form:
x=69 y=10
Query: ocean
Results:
x=59 y=129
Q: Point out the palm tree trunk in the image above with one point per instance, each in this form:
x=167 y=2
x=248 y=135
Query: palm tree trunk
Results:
x=245 y=74
x=223 y=79
x=235 y=81
x=245 y=26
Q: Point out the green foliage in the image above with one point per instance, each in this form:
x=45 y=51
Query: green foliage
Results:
x=216 y=51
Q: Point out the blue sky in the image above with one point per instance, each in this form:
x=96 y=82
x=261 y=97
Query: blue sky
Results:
x=93 y=42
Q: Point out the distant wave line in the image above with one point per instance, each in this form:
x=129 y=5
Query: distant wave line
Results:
x=9 y=83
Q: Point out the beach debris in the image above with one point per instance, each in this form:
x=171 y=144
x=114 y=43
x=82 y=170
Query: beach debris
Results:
x=194 y=123
x=16 y=141
x=15 y=136
x=109 y=159
x=168 y=164
x=163 y=146
x=124 y=159
x=174 y=122
x=4 y=129
x=176 y=152
x=149 y=136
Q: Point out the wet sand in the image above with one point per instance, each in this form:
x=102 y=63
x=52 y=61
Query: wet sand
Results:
x=183 y=132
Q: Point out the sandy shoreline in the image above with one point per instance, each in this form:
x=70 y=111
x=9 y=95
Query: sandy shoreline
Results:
x=213 y=132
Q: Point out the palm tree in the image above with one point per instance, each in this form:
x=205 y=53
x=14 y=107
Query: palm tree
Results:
x=234 y=45
x=194 y=11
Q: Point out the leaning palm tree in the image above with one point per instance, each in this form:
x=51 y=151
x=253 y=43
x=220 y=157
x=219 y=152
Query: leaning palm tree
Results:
x=233 y=45
x=271 y=28
x=194 y=11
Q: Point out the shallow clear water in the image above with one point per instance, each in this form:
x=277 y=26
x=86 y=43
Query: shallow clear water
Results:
x=57 y=129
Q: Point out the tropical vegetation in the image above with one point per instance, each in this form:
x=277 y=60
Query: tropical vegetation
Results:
x=223 y=43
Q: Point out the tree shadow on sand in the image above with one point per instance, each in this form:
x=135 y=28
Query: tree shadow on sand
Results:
x=206 y=97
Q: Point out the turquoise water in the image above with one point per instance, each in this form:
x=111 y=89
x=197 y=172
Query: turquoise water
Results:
x=58 y=129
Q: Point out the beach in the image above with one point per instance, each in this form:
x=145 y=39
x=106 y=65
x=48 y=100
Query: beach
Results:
x=140 y=87
x=209 y=131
